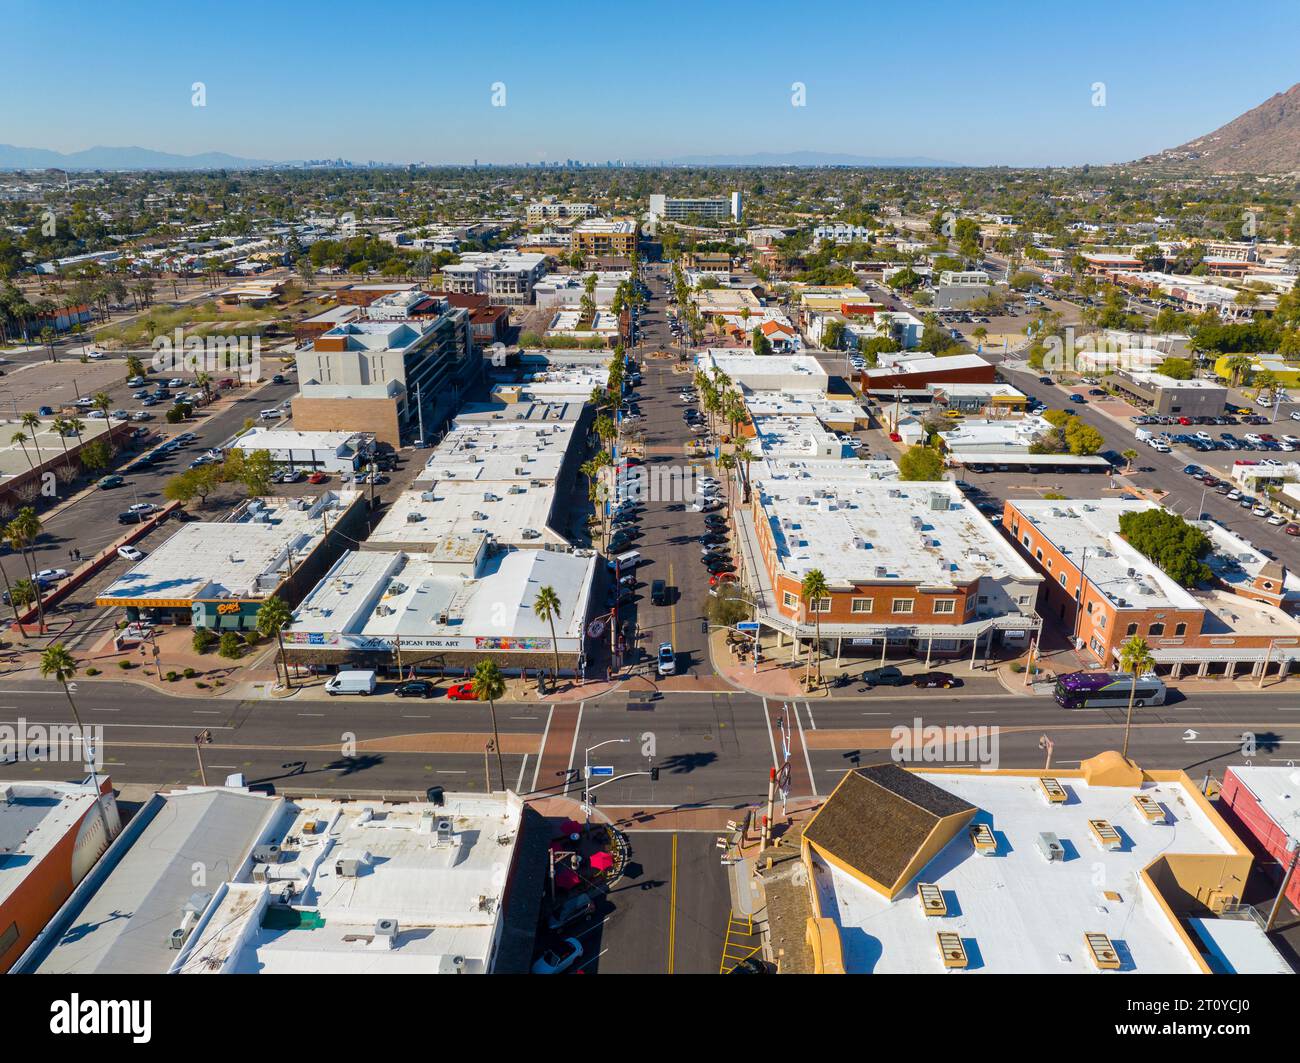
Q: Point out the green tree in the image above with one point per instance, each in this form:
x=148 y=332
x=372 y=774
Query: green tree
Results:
x=489 y=685
x=1173 y=544
x=812 y=589
x=547 y=607
x=32 y=422
x=229 y=647
x=1135 y=659
x=920 y=463
x=1177 y=368
x=1082 y=438
x=273 y=616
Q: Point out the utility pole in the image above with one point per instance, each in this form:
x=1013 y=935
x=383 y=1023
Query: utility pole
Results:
x=1293 y=844
x=203 y=738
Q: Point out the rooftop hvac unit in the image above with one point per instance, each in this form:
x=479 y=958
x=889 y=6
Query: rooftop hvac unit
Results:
x=451 y=965
x=385 y=934
x=412 y=517
x=917 y=523
x=894 y=492
x=938 y=502
x=881 y=571
x=347 y=867
x=426 y=496
x=442 y=617
x=266 y=854
x=1049 y=846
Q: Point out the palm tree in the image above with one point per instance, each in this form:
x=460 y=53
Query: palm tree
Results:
x=813 y=589
x=13 y=602
x=273 y=616
x=76 y=426
x=606 y=430
x=22 y=532
x=21 y=439
x=204 y=381
x=1238 y=366
x=103 y=404
x=744 y=455
x=32 y=422
x=1134 y=658
x=61 y=425
x=488 y=685
x=728 y=464
x=58 y=663
x=547 y=606
x=1129 y=457
x=134 y=367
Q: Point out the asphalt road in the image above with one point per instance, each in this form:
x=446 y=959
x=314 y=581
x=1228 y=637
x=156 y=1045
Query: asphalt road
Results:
x=713 y=750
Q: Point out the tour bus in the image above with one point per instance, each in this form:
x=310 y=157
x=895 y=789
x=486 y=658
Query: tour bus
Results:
x=1096 y=690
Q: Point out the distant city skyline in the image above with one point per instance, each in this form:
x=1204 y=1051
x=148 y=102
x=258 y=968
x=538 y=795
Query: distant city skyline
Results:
x=997 y=84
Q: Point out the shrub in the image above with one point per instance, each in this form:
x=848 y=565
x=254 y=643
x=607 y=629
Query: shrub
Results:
x=203 y=640
x=172 y=677
x=92 y=670
x=229 y=646
x=201 y=685
x=126 y=665
x=189 y=673
x=1017 y=667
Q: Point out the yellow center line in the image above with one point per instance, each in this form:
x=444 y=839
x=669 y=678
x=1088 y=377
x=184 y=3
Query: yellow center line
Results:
x=672 y=912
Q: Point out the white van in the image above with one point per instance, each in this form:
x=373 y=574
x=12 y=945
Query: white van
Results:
x=625 y=562
x=358 y=682
x=1142 y=434
x=270 y=415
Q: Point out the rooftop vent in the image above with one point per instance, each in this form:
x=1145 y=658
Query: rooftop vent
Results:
x=982 y=838
x=951 y=949
x=1049 y=846
x=931 y=898
x=1052 y=790
x=1149 y=810
x=1103 y=952
x=1105 y=835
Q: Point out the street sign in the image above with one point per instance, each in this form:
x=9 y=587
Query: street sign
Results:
x=747 y=625
x=597 y=771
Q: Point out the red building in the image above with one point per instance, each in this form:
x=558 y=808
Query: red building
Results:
x=1263 y=806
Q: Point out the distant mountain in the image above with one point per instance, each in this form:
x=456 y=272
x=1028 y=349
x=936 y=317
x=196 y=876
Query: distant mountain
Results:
x=1263 y=140
x=101 y=158
x=804 y=158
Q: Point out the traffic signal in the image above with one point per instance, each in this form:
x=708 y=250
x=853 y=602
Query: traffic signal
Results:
x=654 y=774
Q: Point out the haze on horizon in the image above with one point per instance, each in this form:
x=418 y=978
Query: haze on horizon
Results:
x=407 y=82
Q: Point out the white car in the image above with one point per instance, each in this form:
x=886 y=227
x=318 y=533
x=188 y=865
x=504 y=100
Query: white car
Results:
x=53 y=575
x=1276 y=519
x=141 y=507
x=96 y=356
x=560 y=958
x=129 y=553
x=667 y=659
x=176 y=382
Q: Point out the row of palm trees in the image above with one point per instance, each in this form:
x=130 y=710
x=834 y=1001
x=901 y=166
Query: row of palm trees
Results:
x=722 y=401
x=21 y=534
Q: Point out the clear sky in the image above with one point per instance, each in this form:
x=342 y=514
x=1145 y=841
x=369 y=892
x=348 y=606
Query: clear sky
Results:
x=994 y=81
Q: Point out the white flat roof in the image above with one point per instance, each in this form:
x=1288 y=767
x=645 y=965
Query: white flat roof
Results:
x=444 y=894
x=272 y=439
x=819 y=469
x=500 y=452
x=512 y=514
x=1017 y=912
x=244 y=557
x=1239 y=946
x=786 y=436
x=851 y=531
x=379 y=595
x=1278 y=792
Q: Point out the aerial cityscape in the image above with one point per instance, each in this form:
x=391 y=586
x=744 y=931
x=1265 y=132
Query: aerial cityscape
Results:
x=491 y=518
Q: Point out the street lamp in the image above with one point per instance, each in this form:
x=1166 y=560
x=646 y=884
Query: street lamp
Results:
x=1293 y=846
x=203 y=738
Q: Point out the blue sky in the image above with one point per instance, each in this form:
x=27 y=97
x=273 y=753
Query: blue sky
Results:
x=990 y=82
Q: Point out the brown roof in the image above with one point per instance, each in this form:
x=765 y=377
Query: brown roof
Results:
x=878 y=819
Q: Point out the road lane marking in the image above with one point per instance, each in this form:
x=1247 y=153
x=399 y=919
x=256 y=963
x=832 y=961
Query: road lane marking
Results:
x=541 y=750
x=519 y=786
x=771 y=741
x=806 y=758
x=672 y=911
x=577 y=729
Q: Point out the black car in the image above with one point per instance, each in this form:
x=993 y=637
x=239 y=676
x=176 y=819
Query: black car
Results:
x=713 y=538
x=659 y=592
x=928 y=680
x=416 y=688
x=889 y=676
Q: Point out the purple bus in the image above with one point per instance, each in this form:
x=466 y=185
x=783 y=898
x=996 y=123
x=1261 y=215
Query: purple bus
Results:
x=1096 y=690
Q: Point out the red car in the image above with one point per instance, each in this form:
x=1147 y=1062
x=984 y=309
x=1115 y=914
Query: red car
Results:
x=461 y=692
x=1292 y=529
x=317 y=478
x=722 y=577
x=894 y=437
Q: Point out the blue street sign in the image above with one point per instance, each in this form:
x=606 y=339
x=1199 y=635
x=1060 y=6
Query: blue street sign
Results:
x=597 y=771
x=747 y=625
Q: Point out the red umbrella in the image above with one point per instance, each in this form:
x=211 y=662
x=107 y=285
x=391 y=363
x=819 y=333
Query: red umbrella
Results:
x=570 y=826
x=566 y=878
x=601 y=861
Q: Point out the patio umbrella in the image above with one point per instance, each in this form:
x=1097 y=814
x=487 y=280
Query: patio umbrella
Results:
x=570 y=826
x=601 y=861
x=566 y=878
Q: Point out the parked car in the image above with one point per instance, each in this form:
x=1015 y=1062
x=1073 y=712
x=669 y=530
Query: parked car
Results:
x=559 y=958
x=317 y=478
x=572 y=908
x=106 y=482
x=358 y=681
x=130 y=553
x=888 y=676
x=928 y=680
x=667 y=659
x=52 y=575
x=416 y=688
x=462 y=692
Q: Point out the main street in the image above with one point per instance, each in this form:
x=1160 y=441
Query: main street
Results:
x=713 y=750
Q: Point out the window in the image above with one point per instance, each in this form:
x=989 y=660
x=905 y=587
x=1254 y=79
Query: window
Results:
x=1025 y=540
x=984 y=599
x=790 y=601
x=1062 y=578
x=1038 y=554
x=1180 y=629
x=820 y=605
x=1049 y=564
x=903 y=605
x=945 y=605
x=1156 y=629
x=863 y=605
x=1101 y=621
x=1132 y=629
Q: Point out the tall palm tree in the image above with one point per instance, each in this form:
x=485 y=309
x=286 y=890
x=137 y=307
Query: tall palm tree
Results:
x=547 y=606
x=32 y=422
x=606 y=430
x=57 y=663
x=273 y=616
x=62 y=426
x=813 y=589
x=1134 y=658
x=744 y=455
x=103 y=404
x=76 y=426
x=488 y=685
x=21 y=439
x=13 y=602
x=22 y=532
